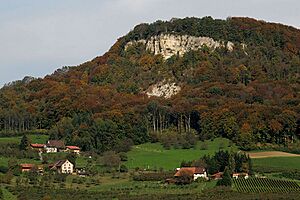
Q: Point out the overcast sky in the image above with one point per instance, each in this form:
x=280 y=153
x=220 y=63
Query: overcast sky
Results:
x=39 y=36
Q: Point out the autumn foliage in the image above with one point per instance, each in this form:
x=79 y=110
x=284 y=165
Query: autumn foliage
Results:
x=250 y=95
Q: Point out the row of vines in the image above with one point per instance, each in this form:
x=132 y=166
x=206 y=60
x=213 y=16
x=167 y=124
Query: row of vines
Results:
x=265 y=185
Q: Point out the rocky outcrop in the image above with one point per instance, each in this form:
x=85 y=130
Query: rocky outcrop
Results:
x=170 y=44
x=163 y=89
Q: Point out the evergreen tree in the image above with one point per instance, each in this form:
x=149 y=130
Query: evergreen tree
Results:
x=226 y=180
x=231 y=163
x=250 y=165
x=24 y=144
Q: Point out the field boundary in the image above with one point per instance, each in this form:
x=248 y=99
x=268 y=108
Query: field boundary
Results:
x=269 y=154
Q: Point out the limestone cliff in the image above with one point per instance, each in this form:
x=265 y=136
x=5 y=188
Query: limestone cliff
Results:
x=163 y=89
x=170 y=44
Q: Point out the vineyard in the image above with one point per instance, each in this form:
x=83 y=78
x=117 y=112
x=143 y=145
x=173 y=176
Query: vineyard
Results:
x=265 y=185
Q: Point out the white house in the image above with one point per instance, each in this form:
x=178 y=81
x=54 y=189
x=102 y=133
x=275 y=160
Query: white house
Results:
x=196 y=172
x=54 y=146
x=50 y=149
x=63 y=167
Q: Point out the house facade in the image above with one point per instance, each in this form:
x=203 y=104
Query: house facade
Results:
x=195 y=172
x=63 y=167
x=73 y=149
x=54 y=146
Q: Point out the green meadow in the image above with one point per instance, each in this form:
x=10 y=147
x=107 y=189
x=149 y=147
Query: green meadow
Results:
x=34 y=138
x=154 y=156
x=277 y=163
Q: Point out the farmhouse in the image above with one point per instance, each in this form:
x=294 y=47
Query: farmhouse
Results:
x=27 y=167
x=53 y=146
x=38 y=147
x=73 y=149
x=63 y=167
x=195 y=172
x=240 y=175
x=31 y=167
x=217 y=176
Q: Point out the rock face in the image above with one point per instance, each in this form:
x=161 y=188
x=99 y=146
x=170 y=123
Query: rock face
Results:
x=163 y=89
x=170 y=44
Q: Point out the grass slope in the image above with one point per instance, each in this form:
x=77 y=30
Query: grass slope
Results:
x=277 y=163
x=42 y=139
x=153 y=155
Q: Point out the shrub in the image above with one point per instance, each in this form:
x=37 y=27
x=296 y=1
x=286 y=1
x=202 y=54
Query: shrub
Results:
x=152 y=176
x=123 y=168
x=203 y=146
x=123 y=156
x=3 y=169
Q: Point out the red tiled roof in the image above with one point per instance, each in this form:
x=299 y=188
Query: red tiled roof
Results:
x=73 y=147
x=190 y=170
x=37 y=145
x=217 y=175
x=27 y=165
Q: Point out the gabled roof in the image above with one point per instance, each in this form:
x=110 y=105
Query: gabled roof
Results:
x=58 y=163
x=190 y=170
x=55 y=143
x=73 y=147
x=37 y=145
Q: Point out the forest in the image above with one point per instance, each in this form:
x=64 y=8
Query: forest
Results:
x=250 y=95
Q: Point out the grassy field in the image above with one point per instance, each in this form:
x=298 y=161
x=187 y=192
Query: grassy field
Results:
x=153 y=155
x=268 y=154
x=277 y=163
x=4 y=161
x=42 y=139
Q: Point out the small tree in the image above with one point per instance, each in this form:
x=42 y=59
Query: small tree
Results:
x=123 y=168
x=250 y=165
x=226 y=180
x=111 y=159
x=24 y=144
x=231 y=163
x=184 y=178
x=123 y=156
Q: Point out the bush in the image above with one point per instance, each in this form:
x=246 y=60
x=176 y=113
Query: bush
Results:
x=123 y=156
x=3 y=169
x=123 y=168
x=203 y=146
x=184 y=178
x=152 y=176
x=291 y=175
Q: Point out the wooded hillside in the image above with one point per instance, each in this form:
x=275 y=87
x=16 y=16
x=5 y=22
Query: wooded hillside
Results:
x=250 y=95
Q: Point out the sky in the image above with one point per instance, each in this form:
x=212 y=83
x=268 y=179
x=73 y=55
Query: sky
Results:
x=39 y=36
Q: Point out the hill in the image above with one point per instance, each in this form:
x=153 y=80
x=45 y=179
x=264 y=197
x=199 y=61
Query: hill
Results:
x=171 y=81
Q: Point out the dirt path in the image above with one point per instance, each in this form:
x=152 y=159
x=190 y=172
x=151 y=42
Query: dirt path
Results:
x=267 y=154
